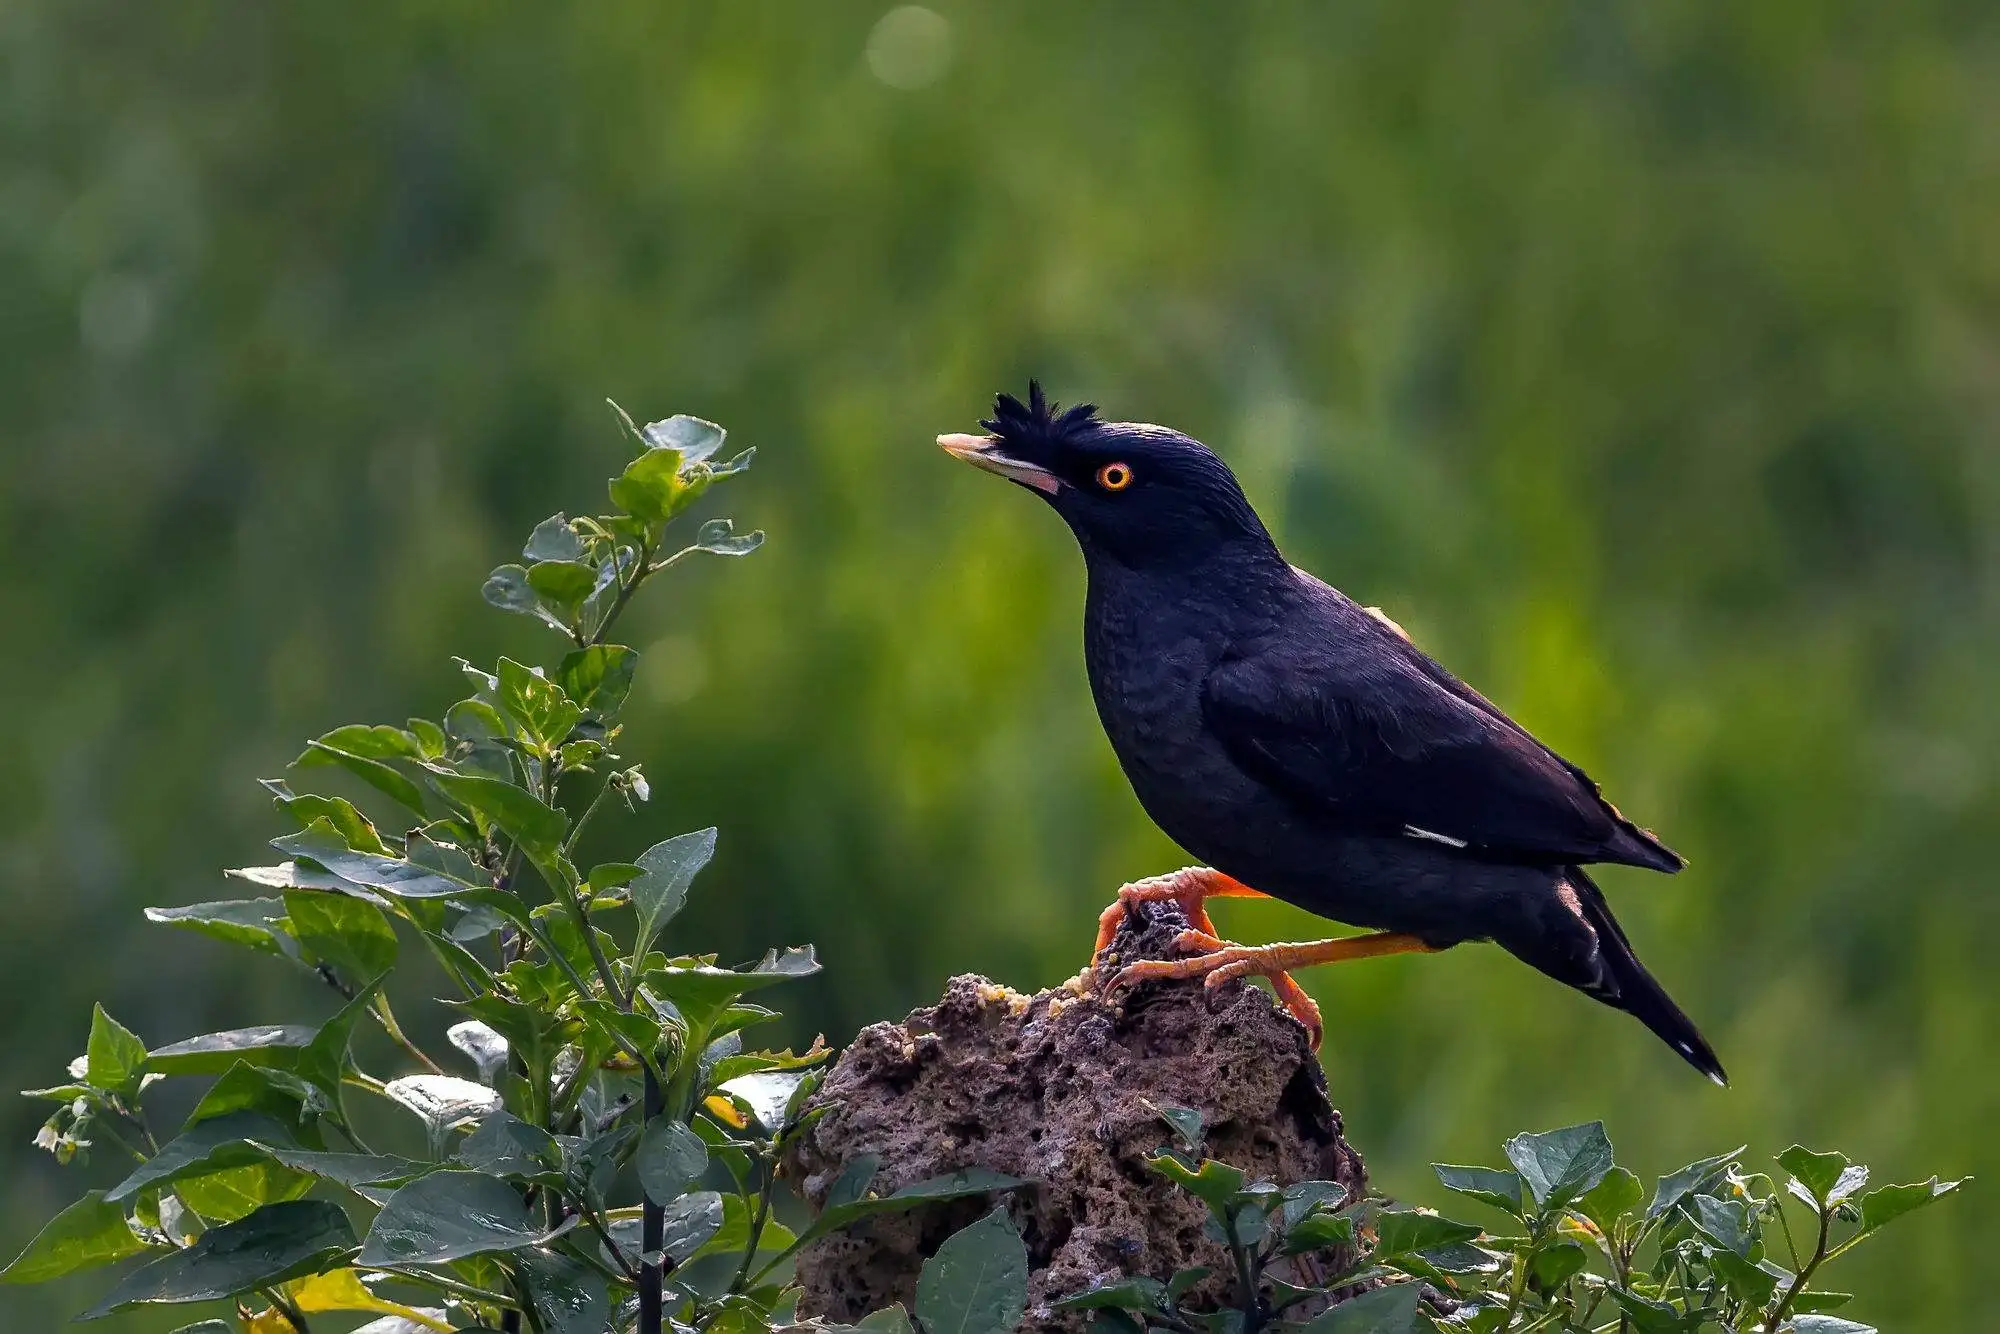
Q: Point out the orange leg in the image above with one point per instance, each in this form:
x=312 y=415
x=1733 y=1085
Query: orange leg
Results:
x=1190 y=887
x=1224 y=961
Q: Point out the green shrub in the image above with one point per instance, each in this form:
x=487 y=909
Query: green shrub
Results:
x=564 y=1189
x=1584 y=1247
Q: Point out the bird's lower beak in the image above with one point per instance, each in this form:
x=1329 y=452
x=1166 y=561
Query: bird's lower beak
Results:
x=983 y=451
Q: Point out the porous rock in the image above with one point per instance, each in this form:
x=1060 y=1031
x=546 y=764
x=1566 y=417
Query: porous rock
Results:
x=1061 y=1089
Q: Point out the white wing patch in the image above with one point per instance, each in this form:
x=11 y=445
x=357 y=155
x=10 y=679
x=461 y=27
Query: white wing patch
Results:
x=1445 y=839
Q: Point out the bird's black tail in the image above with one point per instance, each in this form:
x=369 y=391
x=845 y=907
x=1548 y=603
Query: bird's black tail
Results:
x=1623 y=983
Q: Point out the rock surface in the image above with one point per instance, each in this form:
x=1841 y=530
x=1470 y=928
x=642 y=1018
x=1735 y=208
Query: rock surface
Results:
x=1061 y=1089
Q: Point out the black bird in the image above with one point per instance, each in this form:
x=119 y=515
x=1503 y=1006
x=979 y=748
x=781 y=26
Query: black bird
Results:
x=1302 y=747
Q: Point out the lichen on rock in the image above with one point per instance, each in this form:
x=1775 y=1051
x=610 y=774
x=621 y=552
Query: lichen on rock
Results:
x=1062 y=1089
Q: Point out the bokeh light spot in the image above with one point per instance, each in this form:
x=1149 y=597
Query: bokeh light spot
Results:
x=910 y=47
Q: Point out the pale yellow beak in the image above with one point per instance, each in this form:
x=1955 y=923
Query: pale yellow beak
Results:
x=983 y=451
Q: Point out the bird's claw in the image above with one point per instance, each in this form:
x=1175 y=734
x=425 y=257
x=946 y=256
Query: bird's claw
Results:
x=1217 y=961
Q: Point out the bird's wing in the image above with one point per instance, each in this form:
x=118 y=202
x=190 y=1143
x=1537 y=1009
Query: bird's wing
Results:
x=1380 y=739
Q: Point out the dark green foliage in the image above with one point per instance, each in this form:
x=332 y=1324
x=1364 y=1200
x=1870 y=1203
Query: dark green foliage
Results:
x=513 y=1217
x=1717 y=1249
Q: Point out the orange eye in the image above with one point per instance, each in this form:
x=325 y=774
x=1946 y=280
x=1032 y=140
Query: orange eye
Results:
x=1115 y=476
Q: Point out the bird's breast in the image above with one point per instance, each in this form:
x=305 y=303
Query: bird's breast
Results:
x=1148 y=662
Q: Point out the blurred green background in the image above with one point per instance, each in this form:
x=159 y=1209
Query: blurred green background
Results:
x=1642 y=358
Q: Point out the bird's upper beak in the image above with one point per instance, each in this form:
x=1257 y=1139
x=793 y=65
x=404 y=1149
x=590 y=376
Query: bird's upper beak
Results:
x=983 y=451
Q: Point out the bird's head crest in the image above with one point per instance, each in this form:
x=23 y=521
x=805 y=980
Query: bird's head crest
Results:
x=1038 y=421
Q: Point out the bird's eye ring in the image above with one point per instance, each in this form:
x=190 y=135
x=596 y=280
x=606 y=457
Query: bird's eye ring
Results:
x=1115 y=476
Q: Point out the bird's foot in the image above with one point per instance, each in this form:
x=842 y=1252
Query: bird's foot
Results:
x=1219 y=961
x=1190 y=887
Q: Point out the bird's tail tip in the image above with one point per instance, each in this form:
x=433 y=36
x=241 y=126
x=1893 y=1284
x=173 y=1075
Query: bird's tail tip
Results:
x=1626 y=985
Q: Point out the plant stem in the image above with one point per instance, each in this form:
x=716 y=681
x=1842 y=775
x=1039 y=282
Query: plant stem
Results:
x=386 y=1017
x=450 y=1285
x=652 y=1228
x=1776 y=1319
x=625 y=590
x=756 y=1228
x=596 y=1223
x=1246 y=1277
x=293 y=1315
x=576 y=830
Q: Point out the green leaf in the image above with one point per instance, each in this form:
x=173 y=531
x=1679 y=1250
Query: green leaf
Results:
x=448 y=1216
x=257 y=923
x=1746 y=1278
x=671 y=1157
x=569 y=1296
x=1727 y=1223
x=362 y=751
x=529 y=1029
x=474 y=720
x=1214 y=1182
x=349 y=934
x=206 y=1146
x=1677 y=1186
x=767 y=1093
x=1488 y=1185
x=430 y=737
x=562 y=584
x=1407 y=1232
x=599 y=677
x=1817 y=1172
x=1560 y=1165
x=690 y=1223
x=483 y=1043
x=359 y=1172
x=612 y=875
x=669 y=868
x=324 y=1061
x=538 y=704
x=553 y=539
x=524 y=817
x=296 y=875
x=891 y=1319
x=278 y=1242
x=977 y=1283
x=719 y=537
x=1556 y=1264
x=282 y=1096
x=1611 y=1199
x=730 y=467
x=320 y=843
x=507 y=588
x=1186 y=1124
x=1318 y=1232
x=87 y=1234
x=115 y=1059
x=1829 y=1324
x=214 y=1053
x=1654 y=1317
x=1385 y=1310
x=652 y=487
x=1885 y=1204
x=853 y=1182
x=353 y=827
x=505 y=1145
x=847 y=1204
x=734 y=1234
x=1138 y=1293
x=693 y=438
x=443 y=1102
